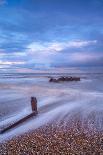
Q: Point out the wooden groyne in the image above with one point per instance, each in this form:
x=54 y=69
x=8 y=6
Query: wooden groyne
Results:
x=34 y=113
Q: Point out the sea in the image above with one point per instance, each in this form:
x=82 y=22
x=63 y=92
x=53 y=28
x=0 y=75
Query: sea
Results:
x=55 y=101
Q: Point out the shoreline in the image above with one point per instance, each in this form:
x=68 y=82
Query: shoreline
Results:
x=70 y=118
x=56 y=138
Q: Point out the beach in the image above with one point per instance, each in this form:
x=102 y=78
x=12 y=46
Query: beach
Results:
x=68 y=139
x=69 y=120
x=51 y=77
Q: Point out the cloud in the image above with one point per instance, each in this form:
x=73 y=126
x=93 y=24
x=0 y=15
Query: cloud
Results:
x=11 y=62
x=86 y=57
x=58 y=46
x=2 y=2
x=16 y=54
x=80 y=44
x=62 y=53
x=54 y=53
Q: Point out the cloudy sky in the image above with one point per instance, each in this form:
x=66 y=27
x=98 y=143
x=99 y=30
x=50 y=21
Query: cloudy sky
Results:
x=51 y=33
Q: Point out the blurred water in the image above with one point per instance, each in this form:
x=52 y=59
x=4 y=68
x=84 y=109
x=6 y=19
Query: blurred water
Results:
x=55 y=100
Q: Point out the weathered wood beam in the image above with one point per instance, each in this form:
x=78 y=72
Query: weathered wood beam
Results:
x=18 y=122
x=34 y=113
x=34 y=104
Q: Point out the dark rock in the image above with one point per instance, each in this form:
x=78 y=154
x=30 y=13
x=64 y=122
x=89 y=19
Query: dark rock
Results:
x=53 y=80
x=62 y=79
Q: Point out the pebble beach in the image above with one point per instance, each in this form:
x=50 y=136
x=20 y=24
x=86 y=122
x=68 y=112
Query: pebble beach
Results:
x=63 y=138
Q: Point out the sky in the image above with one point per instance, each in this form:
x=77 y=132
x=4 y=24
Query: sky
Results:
x=51 y=33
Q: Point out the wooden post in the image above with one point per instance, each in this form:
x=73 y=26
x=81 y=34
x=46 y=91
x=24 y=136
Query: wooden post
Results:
x=34 y=104
x=34 y=113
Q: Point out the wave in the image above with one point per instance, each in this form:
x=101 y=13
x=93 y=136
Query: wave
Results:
x=56 y=102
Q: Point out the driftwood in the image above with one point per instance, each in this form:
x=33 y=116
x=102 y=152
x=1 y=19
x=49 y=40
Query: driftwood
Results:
x=62 y=79
x=34 y=113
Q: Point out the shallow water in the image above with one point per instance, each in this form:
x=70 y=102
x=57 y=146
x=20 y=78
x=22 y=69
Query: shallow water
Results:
x=56 y=101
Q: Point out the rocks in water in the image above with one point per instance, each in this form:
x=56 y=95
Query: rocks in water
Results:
x=62 y=79
x=53 y=80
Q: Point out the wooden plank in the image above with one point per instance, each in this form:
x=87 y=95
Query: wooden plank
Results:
x=34 y=113
x=18 y=122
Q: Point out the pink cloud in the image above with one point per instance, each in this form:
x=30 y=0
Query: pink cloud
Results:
x=85 y=57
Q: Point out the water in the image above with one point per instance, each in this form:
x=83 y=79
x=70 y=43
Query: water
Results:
x=56 y=101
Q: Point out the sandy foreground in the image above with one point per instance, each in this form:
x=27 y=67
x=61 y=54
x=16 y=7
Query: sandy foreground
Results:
x=72 y=137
